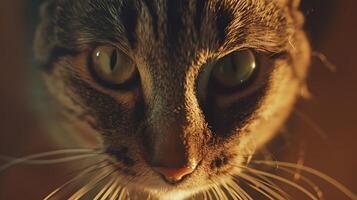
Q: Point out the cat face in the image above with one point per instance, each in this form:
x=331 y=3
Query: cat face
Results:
x=179 y=93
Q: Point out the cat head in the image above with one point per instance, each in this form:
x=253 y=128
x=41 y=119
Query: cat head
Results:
x=180 y=93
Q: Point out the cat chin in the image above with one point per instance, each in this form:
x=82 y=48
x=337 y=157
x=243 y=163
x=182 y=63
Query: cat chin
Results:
x=175 y=195
x=164 y=191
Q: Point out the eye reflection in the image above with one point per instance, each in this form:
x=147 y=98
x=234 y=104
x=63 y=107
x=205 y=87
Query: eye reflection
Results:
x=235 y=69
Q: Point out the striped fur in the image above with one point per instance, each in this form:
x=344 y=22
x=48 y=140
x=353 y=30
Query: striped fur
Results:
x=172 y=42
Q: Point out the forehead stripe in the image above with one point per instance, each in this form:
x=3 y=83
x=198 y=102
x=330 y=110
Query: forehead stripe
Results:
x=129 y=17
x=151 y=6
x=175 y=10
x=200 y=6
x=223 y=20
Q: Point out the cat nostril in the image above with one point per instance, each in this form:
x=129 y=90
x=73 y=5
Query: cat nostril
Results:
x=174 y=175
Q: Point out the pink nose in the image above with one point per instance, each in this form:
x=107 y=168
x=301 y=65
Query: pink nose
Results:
x=174 y=175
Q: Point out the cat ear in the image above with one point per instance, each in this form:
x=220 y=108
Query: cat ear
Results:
x=45 y=40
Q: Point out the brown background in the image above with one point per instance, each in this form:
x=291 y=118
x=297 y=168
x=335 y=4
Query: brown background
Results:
x=331 y=112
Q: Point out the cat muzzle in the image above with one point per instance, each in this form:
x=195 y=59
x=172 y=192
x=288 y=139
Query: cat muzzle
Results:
x=175 y=175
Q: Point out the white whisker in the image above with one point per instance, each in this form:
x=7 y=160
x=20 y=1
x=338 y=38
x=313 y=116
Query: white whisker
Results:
x=318 y=191
x=229 y=192
x=122 y=194
x=298 y=187
x=115 y=193
x=60 y=160
x=46 y=154
x=241 y=191
x=80 y=175
x=270 y=184
x=91 y=185
x=221 y=193
x=215 y=193
x=210 y=193
x=319 y=174
x=204 y=194
x=264 y=188
x=115 y=185
x=234 y=192
x=104 y=189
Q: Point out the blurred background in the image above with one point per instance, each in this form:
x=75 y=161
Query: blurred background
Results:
x=324 y=126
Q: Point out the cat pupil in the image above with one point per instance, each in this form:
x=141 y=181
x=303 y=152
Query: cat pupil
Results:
x=113 y=60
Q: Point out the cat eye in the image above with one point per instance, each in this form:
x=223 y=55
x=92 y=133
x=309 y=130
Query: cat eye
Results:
x=113 y=66
x=234 y=70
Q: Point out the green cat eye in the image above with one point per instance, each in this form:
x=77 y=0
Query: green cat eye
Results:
x=112 y=65
x=235 y=69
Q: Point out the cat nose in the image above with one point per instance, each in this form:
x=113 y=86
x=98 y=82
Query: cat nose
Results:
x=174 y=175
x=168 y=155
x=166 y=149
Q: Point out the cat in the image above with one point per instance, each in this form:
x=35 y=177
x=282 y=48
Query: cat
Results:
x=177 y=94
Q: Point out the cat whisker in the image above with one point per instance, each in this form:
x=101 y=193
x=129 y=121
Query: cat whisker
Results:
x=270 y=184
x=229 y=192
x=232 y=192
x=281 y=179
x=83 y=173
x=264 y=188
x=111 y=189
x=92 y=184
x=313 y=185
x=99 y=164
x=215 y=193
x=315 y=127
x=149 y=197
x=314 y=172
x=59 y=160
x=122 y=194
x=109 y=194
x=205 y=196
x=103 y=191
x=117 y=189
x=239 y=191
x=256 y=188
x=209 y=193
x=267 y=155
x=221 y=193
x=324 y=60
x=33 y=158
